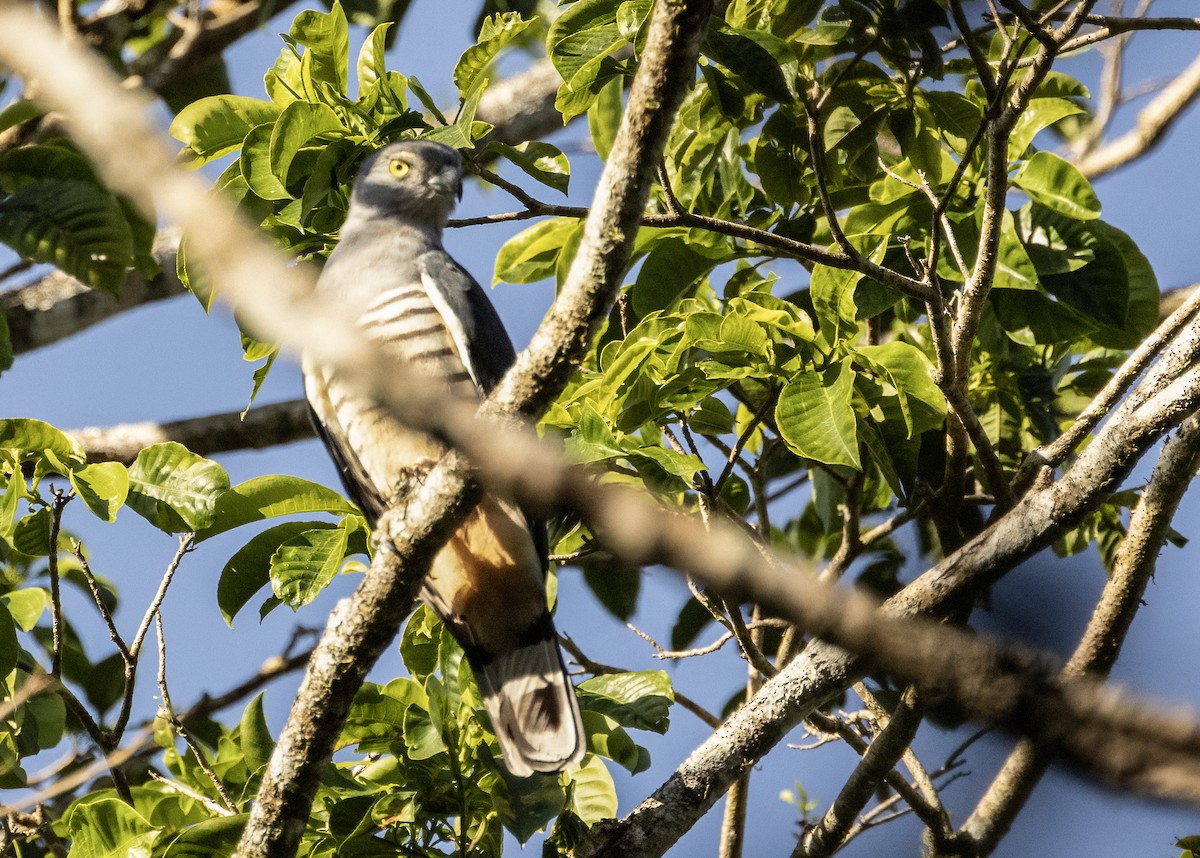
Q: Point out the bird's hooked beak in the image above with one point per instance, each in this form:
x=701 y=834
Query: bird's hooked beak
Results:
x=448 y=182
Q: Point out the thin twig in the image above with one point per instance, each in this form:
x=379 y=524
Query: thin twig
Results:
x=61 y=499
x=98 y=596
x=185 y=545
x=167 y=711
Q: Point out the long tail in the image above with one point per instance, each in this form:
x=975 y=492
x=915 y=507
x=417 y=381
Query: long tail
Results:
x=533 y=708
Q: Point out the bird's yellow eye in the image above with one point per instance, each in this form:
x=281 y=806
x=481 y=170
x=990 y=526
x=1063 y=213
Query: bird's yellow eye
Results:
x=398 y=167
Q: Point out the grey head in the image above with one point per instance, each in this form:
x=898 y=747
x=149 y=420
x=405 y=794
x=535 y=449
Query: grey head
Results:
x=417 y=181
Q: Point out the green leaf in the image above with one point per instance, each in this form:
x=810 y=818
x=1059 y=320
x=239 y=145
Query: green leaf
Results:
x=255 y=164
x=31 y=536
x=9 y=648
x=1014 y=268
x=422 y=737
x=604 y=116
x=249 y=569
x=594 y=796
x=1142 y=313
x=581 y=57
x=259 y=376
x=304 y=565
x=210 y=838
x=910 y=373
x=56 y=159
x=421 y=642
x=18 y=112
x=1039 y=115
x=43 y=719
x=1033 y=318
x=615 y=585
x=641 y=700
x=532 y=803
x=26 y=605
x=327 y=37
x=1058 y=185
x=103 y=487
x=377 y=716
x=255 y=740
x=174 y=489
x=667 y=274
x=608 y=739
x=284 y=79
x=958 y=117
x=298 y=125
x=272 y=496
x=104 y=826
x=765 y=62
x=371 y=64
x=216 y=126
x=816 y=418
x=532 y=254
x=782 y=162
x=77 y=226
x=542 y=161
x=28 y=438
x=497 y=31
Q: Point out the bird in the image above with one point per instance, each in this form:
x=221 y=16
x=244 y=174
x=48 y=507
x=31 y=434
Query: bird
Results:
x=418 y=305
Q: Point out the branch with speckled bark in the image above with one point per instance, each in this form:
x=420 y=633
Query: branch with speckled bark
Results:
x=1135 y=563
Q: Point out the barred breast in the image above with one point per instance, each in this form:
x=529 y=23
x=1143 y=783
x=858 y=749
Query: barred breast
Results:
x=408 y=327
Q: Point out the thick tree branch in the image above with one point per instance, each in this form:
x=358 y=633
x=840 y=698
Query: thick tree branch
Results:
x=57 y=305
x=1136 y=560
x=1152 y=124
x=263 y=426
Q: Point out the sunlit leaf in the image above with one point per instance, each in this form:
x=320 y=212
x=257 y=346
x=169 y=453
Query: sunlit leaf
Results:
x=174 y=489
x=816 y=419
x=641 y=700
x=26 y=605
x=542 y=161
x=103 y=487
x=216 y=126
x=497 y=31
x=595 y=795
x=1058 y=185
x=304 y=565
x=272 y=496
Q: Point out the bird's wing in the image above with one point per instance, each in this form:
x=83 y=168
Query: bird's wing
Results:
x=357 y=481
x=483 y=344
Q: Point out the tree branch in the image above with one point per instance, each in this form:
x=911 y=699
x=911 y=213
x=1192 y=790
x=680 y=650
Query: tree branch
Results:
x=57 y=305
x=1152 y=124
x=263 y=426
x=1136 y=560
